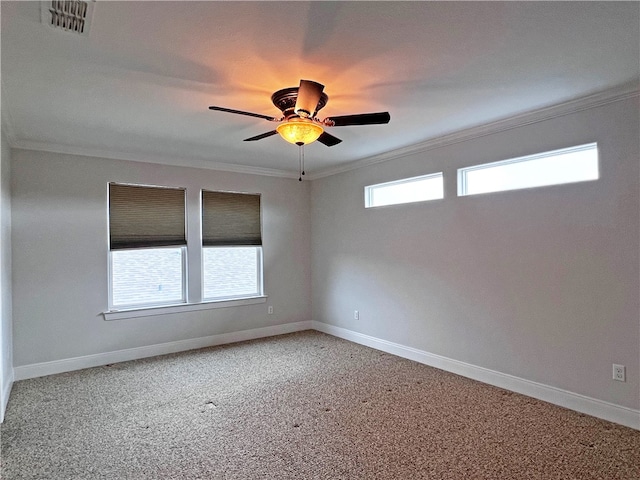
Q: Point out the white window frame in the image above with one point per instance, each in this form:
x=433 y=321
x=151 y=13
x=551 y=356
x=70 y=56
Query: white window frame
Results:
x=136 y=306
x=370 y=189
x=190 y=304
x=462 y=172
x=259 y=273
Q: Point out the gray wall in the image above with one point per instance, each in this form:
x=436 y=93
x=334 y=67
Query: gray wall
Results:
x=60 y=256
x=6 y=335
x=541 y=284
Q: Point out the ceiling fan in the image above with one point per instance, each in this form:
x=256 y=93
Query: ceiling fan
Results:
x=299 y=124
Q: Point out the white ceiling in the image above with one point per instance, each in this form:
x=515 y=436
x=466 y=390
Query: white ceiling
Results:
x=139 y=85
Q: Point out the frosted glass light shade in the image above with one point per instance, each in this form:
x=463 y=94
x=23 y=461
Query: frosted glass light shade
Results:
x=300 y=131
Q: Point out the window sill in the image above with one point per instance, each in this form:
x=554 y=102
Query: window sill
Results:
x=181 y=308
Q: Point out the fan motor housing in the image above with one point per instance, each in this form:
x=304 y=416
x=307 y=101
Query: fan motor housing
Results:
x=285 y=100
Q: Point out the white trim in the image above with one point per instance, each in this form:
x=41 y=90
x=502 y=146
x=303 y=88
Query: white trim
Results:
x=149 y=158
x=34 y=370
x=7 y=120
x=573 y=401
x=599 y=99
x=581 y=403
x=187 y=307
x=4 y=398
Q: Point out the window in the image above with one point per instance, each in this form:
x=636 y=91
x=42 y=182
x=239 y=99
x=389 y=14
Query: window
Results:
x=407 y=190
x=569 y=165
x=232 y=245
x=147 y=276
x=147 y=245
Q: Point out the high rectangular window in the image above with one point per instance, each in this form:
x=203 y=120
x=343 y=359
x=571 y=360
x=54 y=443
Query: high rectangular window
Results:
x=147 y=243
x=406 y=190
x=569 y=165
x=231 y=245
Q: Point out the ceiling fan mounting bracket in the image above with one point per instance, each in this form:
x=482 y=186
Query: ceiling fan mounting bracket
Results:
x=285 y=100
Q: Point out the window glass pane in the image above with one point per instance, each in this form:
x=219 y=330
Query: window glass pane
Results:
x=231 y=272
x=577 y=164
x=408 y=190
x=147 y=276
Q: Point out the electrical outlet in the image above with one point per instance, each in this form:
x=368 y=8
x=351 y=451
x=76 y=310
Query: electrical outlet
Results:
x=619 y=373
x=270 y=310
x=356 y=315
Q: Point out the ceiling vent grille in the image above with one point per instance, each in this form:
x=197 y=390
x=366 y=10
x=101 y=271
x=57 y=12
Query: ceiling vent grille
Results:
x=68 y=15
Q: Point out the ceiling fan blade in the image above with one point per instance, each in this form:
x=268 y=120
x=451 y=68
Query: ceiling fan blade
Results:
x=328 y=139
x=309 y=94
x=260 y=137
x=360 y=119
x=240 y=112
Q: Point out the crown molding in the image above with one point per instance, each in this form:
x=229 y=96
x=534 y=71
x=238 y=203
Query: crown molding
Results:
x=7 y=121
x=149 y=158
x=598 y=99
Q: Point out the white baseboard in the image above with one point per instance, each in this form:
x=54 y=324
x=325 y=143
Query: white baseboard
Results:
x=573 y=401
x=4 y=395
x=597 y=408
x=24 y=372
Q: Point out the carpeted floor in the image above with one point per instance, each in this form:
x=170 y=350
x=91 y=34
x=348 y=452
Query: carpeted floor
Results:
x=299 y=406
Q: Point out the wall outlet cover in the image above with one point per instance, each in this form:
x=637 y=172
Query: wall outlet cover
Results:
x=619 y=373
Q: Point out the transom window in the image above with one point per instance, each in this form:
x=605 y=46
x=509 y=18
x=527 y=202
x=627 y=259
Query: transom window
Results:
x=406 y=190
x=568 y=165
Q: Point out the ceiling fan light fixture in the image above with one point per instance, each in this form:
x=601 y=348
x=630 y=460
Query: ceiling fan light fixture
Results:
x=300 y=131
x=299 y=106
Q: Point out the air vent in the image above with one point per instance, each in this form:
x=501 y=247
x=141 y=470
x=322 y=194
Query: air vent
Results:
x=68 y=15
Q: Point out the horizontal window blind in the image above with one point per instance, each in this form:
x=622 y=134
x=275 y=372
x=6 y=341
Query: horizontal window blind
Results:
x=230 y=219
x=146 y=216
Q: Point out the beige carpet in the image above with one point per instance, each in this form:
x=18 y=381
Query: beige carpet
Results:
x=299 y=406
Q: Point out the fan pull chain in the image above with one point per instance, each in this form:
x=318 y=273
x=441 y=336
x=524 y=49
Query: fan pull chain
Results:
x=300 y=160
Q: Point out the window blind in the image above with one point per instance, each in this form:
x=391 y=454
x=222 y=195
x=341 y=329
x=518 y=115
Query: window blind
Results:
x=146 y=216
x=230 y=219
